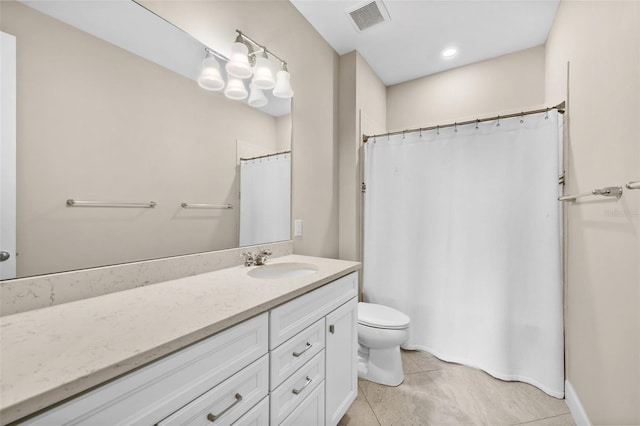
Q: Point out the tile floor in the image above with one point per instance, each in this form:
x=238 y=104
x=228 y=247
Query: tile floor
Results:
x=435 y=392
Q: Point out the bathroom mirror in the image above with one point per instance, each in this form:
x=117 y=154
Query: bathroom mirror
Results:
x=108 y=110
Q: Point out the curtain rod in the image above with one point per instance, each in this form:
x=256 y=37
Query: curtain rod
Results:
x=265 y=156
x=560 y=107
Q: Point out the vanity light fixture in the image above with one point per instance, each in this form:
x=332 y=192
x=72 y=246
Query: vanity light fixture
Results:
x=262 y=75
x=235 y=89
x=210 y=77
x=283 y=86
x=257 y=99
x=248 y=59
x=238 y=65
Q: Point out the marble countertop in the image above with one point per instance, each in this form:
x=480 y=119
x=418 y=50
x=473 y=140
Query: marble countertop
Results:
x=50 y=354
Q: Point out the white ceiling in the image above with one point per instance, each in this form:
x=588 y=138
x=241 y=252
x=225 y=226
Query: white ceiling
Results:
x=409 y=46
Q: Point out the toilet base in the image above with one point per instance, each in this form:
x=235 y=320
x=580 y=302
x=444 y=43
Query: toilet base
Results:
x=383 y=366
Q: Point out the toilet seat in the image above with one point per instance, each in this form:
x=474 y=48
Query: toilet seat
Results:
x=380 y=316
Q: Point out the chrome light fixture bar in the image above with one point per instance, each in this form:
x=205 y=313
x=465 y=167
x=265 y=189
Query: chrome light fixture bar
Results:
x=249 y=59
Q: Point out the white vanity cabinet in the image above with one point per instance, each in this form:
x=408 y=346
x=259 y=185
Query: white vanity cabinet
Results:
x=294 y=365
x=318 y=327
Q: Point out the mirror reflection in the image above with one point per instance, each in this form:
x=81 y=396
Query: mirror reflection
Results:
x=118 y=117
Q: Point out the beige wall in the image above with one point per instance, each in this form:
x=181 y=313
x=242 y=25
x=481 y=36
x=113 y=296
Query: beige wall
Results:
x=283 y=133
x=348 y=125
x=363 y=109
x=98 y=123
x=500 y=85
x=314 y=67
x=601 y=40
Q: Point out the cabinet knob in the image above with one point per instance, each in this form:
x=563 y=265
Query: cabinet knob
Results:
x=4 y=255
x=332 y=329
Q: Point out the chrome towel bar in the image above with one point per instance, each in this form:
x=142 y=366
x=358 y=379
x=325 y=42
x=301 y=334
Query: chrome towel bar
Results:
x=206 y=206
x=633 y=185
x=610 y=191
x=76 y=203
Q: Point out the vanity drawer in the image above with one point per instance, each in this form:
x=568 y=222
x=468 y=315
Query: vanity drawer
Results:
x=257 y=416
x=295 y=352
x=310 y=412
x=296 y=388
x=151 y=393
x=228 y=401
x=289 y=319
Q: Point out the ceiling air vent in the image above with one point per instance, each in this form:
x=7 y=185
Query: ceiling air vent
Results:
x=367 y=14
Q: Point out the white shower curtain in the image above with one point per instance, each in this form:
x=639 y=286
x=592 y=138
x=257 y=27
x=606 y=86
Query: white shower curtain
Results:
x=463 y=234
x=265 y=199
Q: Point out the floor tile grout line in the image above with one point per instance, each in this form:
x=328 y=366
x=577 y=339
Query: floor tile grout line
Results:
x=414 y=363
x=370 y=407
x=543 y=418
x=424 y=371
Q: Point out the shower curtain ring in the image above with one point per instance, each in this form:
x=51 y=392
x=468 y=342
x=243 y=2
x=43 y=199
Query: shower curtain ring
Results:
x=455 y=127
x=420 y=132
x=477 y=122
x=438 y=129
x=498 y=123
x=403 y=134
x=521 y=117
x=546 y=115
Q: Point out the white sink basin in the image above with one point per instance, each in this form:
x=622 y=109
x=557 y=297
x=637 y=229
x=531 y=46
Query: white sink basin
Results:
x=283 y=270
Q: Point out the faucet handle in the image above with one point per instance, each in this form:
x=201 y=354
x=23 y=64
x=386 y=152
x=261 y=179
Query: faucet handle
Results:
x=261 y=257
x=248 y=258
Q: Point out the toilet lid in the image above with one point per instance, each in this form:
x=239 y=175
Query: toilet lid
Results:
x=380 y=316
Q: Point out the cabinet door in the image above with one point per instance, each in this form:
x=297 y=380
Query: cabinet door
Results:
x=341 y=368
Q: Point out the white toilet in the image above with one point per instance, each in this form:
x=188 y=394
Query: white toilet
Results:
x=381 y=331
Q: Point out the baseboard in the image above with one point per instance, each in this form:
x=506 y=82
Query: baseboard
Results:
x=575 y=406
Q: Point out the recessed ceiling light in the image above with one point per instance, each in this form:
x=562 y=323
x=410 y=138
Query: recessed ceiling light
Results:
x=449 y=52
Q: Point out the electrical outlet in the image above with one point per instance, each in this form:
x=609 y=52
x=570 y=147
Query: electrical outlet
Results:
x=297 y=228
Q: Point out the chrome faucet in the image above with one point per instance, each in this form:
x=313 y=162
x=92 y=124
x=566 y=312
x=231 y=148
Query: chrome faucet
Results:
x=261 y=257
x=257 y=259
x=249 y=260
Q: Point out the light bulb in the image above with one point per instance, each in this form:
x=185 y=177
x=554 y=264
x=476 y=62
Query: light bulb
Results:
x=449 y=52
x=263 y=76
x=210 y=77
x=257 y=99
x=238 y=65
x=235 y=89
x=283 y=85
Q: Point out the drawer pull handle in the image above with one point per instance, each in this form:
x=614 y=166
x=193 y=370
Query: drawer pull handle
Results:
x=214 y=417
x=297 y=354
x=332 y=329
x=297 y=391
